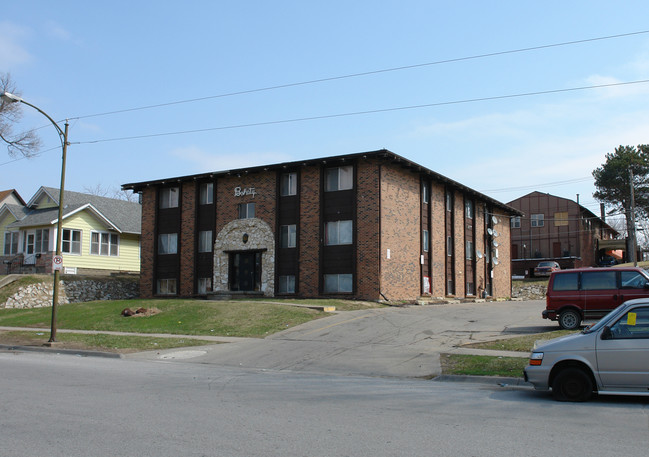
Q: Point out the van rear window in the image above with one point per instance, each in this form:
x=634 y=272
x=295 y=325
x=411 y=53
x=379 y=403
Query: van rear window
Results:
x=565 y=281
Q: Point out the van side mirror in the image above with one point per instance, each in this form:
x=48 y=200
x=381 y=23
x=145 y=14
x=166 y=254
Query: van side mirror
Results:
x=646 y=285
x=606 y=333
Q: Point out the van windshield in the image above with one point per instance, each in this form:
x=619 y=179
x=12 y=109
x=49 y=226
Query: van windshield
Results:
x=604 y=320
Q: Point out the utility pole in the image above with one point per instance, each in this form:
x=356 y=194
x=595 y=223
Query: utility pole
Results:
x=633 y=242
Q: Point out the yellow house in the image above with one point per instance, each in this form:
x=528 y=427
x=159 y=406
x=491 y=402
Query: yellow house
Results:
x=100 y=235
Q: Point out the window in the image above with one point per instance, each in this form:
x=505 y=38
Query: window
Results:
x=515 y=222
x=633 y=325
x=449 y=201
x=468 y=209
x=470 y=288
x=207 y=193
x=469 y=250
x=339 y=178
x=11 y=243
x=205 y=241
x=169 y=197
x=287 y=236
x=168 y=243
x=167 y=286
x=71 y=241
x=598 y=280
x=560 y=219
x=288 y=184
x=104 y=243
x=42 y=241
x=338 y=283
x=338 y=232
x=426 y=241
x=633 y=280
x=425 y=192
x=204 y=285
x=246 y=210
x=537 y=220
x=449 y=246
x=286 y=284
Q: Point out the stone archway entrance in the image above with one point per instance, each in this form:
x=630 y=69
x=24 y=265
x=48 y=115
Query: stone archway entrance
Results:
x=244 y=258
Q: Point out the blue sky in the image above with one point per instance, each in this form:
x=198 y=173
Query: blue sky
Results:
x=75 y=59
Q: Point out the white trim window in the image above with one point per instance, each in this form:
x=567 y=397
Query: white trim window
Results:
x=71 y=241
x=11 y=243
x=207 y=193
x=468 y=209
x=339 y=232
x=537 y=220
x=246 y=210
x=169 y=197
x=104 y=243
x=204 y=285
x=516 y=222
x=288 y=184
x=205 y=241
x=426 y=241
x=42 y=243
x=167 y=287
x=339 y=283
x=167 y=243
x=287 y=236
x=339 y=178
x=286 y=284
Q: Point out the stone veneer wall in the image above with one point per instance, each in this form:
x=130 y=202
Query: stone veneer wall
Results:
x=39 y=295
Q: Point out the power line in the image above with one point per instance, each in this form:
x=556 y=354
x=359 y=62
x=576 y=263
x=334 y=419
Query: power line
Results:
x=359 y=113
x=366 y=73
x=536 y=186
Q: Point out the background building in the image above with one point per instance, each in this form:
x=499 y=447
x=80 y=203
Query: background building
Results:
x=558 y=229
x=369 y=225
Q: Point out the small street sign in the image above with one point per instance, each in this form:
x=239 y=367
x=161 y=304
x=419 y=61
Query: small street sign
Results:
x=57 y=262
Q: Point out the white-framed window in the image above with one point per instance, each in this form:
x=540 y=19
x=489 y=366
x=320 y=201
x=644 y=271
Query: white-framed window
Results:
x=42 y=241
x=167 y=286
x=287 y=236
x=11 y=243
x=169 y=197
x=71 y=241
x=204 y=285
x=168 y=243
x=205 y=241
x=469 y=250
x=426 y=241
x=515 y=222
x=449 y=201
x=339 y=178
x=206 y=194
x=288 y=185
x=286 y=284
x=425 y=192
x=339 y=232
x=468 y=209
x=246 y=210
x=339 y=283
x=104 y=243
x=537 y=220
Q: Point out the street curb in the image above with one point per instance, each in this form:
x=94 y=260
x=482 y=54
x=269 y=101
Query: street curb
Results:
x=498 y=380
x=81 y=353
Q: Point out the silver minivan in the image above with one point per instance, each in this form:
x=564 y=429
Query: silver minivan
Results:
x=609 y=358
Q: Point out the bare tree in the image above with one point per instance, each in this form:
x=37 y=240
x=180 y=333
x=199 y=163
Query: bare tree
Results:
x=25 y=144
x=100 y=191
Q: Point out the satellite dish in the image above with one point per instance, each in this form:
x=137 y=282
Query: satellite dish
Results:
x=496 y=261
x=496 y=233
x=494 y=219
x=490 y=232
x=478 y=253
x=495 y=243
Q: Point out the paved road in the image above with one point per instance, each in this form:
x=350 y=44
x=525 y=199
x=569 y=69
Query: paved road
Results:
x=399 y=342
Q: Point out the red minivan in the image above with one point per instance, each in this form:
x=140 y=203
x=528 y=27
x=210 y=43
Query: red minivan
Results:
x=590 y=293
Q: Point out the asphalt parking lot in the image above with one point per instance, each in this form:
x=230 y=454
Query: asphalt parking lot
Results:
x=393 y=342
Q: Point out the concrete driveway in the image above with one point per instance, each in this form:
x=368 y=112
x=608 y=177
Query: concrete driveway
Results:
x=400 y=342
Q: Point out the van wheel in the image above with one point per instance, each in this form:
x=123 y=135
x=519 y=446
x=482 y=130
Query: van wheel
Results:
x=572 y=384
x=569 y=320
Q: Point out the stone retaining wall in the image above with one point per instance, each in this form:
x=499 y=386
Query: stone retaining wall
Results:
x=529 y=291
x=39 y=295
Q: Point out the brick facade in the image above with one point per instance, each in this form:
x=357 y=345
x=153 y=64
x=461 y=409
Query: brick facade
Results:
x=386 y=258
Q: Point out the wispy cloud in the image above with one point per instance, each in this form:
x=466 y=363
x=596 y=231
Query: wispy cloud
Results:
x=12 y=51
x=204 y=161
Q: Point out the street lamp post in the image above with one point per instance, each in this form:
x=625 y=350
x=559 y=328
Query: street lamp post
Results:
x=63 y=136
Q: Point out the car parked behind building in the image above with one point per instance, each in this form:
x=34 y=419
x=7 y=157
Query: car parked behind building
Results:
x=546 y=268
x=590 y=293
x=610 y=358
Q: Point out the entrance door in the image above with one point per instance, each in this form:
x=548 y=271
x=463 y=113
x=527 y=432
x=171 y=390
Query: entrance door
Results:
x=245 y=271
